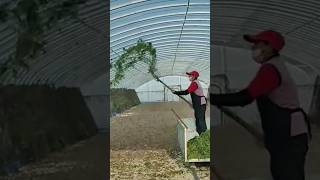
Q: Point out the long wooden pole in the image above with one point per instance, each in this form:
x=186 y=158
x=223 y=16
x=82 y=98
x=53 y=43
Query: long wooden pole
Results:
x=179 y=119
x=252 y=130
x=158 y=79
x=228 y=112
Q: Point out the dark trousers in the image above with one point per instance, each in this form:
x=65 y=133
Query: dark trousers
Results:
x=200 y=113
x=287 y=161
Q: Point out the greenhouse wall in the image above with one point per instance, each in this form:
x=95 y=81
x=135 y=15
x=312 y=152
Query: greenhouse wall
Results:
x=240 y=69
x=154 y=91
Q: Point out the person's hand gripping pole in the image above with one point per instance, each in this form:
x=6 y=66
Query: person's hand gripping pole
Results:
x=159 y=80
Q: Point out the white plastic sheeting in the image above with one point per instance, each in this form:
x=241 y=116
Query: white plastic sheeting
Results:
x=238 y=66
x=179 y=30
x=154 y=91
x=298 y=21
x=76 y=52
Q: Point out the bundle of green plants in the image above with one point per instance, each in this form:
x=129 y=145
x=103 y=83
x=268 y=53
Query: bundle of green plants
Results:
x=199 y=146
x=141 y=52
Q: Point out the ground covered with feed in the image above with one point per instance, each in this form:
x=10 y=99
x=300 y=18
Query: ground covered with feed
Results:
x=144 y=144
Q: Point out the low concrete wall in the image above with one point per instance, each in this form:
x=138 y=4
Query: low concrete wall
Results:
x=36 y=120
x=98 y=105
x=123 y=99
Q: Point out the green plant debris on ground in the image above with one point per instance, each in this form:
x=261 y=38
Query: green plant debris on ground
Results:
x=146 y=164
x=199 y=147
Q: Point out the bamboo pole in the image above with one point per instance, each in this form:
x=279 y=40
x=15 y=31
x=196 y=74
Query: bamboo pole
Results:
x=252 y=130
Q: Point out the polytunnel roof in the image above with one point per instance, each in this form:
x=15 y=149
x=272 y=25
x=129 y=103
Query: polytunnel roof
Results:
x=76 y=54
x=298 y=21
x=179 y=30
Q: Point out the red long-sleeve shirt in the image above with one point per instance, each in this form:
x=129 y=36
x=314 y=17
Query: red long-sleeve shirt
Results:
x=266 y=80
x=193 y=86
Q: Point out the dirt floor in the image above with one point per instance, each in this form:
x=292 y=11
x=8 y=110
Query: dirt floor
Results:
x=147 y=126
x=144 y=144
x=82 y=161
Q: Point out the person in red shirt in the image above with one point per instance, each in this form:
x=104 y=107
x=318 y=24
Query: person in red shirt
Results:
x=199 y=101
x=285 y=125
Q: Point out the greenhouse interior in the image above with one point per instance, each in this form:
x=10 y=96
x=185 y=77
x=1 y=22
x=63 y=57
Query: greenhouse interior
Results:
x=58 y=109
x=180 y=33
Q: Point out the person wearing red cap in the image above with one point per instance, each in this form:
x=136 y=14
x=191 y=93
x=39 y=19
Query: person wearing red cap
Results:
x=285 y=125
x=199 y=100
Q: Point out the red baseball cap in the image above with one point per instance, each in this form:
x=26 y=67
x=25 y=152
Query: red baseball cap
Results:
x=275 y=39
x=193 y=73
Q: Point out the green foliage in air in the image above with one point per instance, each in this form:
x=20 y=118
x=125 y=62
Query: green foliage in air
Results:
x=199 y=147
x=30 y=19
x=141 y=52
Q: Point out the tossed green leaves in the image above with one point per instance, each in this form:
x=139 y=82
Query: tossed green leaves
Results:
x=141 y=52
x=30 y=19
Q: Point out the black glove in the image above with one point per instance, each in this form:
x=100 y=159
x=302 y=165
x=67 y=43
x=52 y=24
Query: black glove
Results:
x=180 y=92
x=240 y=98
